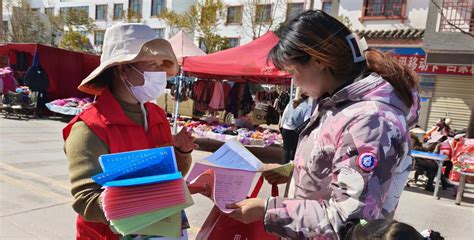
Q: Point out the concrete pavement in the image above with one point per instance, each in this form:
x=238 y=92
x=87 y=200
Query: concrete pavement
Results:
x=35 y=199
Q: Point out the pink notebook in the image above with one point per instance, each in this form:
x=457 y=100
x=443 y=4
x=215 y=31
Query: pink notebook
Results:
x=123 y=202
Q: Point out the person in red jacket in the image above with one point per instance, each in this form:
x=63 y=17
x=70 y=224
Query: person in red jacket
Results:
x=133 y=71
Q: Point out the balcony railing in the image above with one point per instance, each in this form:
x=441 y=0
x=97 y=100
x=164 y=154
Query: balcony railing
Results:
x=457 y=15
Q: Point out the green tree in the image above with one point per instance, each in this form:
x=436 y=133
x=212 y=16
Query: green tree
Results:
x=25 y=25
x=75 y=41
x=203 y=19
x=74 y=25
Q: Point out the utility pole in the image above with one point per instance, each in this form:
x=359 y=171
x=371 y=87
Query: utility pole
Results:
x=3 y=25
x=1 y=14
x=311 y=4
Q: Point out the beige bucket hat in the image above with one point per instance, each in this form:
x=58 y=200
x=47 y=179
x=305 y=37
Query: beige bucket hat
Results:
x=128 y=43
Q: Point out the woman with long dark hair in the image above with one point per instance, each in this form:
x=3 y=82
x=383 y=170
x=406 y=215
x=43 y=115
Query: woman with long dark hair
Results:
x=352 y=159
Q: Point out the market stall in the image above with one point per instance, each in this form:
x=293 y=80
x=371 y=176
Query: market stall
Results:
x=52 y=73
x=183 y=46
x=19 y=103
x=69 y=106
x=65 y=68
x=264 y=143
x=227 y=74
x=257 y=137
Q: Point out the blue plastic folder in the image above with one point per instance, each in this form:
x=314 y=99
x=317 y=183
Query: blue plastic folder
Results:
x=144 y=180
x=109 y=162
x=138 y=167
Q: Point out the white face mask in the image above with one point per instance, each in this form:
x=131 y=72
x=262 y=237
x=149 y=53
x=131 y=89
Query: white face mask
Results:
x=154 y=86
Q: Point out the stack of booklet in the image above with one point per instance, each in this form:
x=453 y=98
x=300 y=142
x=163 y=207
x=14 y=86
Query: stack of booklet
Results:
x=144 y=192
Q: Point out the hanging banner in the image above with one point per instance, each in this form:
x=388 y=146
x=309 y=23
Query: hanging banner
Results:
x=415 y=58
x=418 y=63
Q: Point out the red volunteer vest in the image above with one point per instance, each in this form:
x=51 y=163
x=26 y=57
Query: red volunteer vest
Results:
x=108 y=121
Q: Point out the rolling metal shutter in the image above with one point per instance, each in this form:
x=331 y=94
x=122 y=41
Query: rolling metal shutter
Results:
x=453 y=98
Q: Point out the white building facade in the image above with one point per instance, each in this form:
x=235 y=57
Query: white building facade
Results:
x=239 y=23
x=108 y=12
x=246 y=20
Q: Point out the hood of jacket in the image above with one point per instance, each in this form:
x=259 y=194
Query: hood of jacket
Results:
x=375 y=88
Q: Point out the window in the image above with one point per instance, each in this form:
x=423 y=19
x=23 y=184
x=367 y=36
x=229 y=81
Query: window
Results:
x=118 y=11
x=36 y=10
x=459 y=15
x=383 y=9
x=159 y=32
x=5 y=27
x=293 y=10
x=49 y=11
x=99 y=38
x=233 y=42
x=234 y=15
x=84 y=9
x=100 y=12
x=326 y=6
x=157 y=6
x=135 y=8
x=264 y=13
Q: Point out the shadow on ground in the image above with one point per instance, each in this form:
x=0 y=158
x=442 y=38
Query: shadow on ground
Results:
x=449 y=193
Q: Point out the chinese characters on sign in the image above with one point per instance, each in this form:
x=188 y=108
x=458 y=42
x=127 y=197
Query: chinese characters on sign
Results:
x=418 y=63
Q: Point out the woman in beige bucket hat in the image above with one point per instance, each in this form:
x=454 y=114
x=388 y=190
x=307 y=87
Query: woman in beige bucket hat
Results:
x=133 y=70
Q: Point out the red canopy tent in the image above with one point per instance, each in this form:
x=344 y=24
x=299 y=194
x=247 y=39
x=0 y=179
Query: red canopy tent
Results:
x=247 y=63
x=65 y=69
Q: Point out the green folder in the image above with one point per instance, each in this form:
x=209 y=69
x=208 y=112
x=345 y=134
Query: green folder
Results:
x=167 y=227
x=134 y=225
x=283 y=170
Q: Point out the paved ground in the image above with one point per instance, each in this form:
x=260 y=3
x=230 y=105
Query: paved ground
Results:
x=35 y=199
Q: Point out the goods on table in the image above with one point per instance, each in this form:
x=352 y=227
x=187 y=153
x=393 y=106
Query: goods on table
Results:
x=69 y=106
x=224 y=132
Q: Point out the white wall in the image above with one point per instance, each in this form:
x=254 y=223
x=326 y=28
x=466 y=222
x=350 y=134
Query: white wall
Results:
x=180 y=5
x=416 y=13
x=244 y=31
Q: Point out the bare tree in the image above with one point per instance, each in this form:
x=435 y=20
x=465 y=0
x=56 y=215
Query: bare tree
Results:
x=1 y=19
x=74 y=25
x=255 y=19
x=345 y=20
x=204 y=19
x=24 y=24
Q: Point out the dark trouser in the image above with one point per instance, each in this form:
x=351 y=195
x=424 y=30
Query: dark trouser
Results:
x=431 y=168
x=447 y=170
x=428 y=166
x=290 y=141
